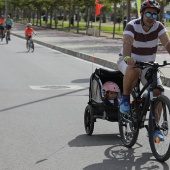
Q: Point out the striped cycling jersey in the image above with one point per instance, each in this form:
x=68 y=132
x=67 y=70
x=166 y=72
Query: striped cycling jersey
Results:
x=145 y=44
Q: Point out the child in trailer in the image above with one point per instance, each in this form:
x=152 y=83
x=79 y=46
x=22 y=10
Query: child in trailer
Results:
x=111 y=93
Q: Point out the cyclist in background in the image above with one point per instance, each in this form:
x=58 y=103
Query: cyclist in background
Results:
x=2 y=24
x=9 y=23
x=28 y=32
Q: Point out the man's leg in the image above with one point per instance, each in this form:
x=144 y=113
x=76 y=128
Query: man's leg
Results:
x=131 y=75
x=129 y=82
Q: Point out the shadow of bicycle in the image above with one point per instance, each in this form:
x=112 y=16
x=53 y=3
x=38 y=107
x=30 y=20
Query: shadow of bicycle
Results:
x=118 y=156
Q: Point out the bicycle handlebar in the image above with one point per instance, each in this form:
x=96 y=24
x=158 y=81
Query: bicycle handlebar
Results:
x=142 y=64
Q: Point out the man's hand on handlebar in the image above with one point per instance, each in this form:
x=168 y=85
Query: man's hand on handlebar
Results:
x=130 y=61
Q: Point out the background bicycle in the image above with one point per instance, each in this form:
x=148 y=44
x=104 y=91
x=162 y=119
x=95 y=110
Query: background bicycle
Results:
x=30 y=44
x=1 y=35
x=7 y=36
x=159 y=114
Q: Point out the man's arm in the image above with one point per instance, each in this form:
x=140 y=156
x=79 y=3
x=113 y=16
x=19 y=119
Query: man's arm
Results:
x=127 y=49
x=127 y=45
x=164 y=38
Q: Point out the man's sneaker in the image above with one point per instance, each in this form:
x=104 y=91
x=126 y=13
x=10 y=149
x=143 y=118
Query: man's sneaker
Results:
x=158 y=133
x=165 y=125
x=125 y=108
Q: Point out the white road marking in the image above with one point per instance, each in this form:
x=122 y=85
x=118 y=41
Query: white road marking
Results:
x=55 y=87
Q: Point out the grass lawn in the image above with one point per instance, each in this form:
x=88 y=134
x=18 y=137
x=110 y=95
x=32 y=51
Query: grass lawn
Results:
x=105 y=27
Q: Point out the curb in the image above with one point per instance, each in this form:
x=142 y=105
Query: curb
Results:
x=104 y=63
x=73 y=53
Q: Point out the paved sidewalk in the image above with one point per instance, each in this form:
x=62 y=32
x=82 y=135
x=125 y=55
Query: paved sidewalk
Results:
x=104 y=50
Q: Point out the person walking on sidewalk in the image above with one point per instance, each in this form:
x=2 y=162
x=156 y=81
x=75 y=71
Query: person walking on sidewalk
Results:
x=140 y=42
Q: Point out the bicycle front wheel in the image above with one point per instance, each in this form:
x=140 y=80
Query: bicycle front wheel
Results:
x=128 y=126
x=6 y=38
x=160 y=122
x=28 y=46
x=1 y=37
x=32 y=46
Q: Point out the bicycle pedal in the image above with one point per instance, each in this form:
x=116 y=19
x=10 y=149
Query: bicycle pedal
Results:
x=142 y=125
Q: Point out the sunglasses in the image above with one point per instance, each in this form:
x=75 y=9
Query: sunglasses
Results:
x=149 y=14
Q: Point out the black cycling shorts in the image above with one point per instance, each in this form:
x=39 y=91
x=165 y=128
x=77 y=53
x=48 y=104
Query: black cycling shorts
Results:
x=1 y=27
x=8 y=27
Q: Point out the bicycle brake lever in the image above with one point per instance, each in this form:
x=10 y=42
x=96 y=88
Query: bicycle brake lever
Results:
x=165 y=62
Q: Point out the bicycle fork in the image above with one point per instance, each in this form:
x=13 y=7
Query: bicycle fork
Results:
x=152 y=109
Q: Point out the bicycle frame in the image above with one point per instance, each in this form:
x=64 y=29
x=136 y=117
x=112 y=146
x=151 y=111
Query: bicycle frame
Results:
x=1 y=34
x=30 y=39
x=149 y=100
x=159 y=116
x=30 y=44
x=7 y=35
x=7 y=32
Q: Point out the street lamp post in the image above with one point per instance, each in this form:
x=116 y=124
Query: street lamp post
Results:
x=128 y=10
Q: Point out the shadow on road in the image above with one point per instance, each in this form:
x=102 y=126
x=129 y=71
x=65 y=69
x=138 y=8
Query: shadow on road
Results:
x=40 y=100
x=118 y=156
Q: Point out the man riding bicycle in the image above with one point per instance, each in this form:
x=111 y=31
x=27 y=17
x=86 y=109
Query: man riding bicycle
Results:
x=140 y=42
x=28 y=32
x=9 y=23
x=2 y=24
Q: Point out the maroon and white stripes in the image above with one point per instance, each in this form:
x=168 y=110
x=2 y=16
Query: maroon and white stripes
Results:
x=145 y=43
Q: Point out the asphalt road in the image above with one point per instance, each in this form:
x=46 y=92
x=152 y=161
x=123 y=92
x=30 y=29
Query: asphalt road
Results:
x=43 y=97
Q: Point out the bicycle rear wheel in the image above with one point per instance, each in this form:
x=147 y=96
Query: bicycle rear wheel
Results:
x=1 y=37
x=6 y=37
x=128 y=126
x=161 y=121
x=28 y=46
x=32 y=46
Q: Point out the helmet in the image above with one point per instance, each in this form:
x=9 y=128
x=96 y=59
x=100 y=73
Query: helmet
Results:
x=111 y=86
x=150 y=4
x=29 y=24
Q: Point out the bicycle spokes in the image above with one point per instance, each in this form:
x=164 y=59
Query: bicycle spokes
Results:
x=159 y=123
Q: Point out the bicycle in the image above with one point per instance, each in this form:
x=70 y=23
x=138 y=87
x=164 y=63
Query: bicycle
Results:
x=30 y=44
x=2 y=35
x=7 y=36
x=129 y=125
